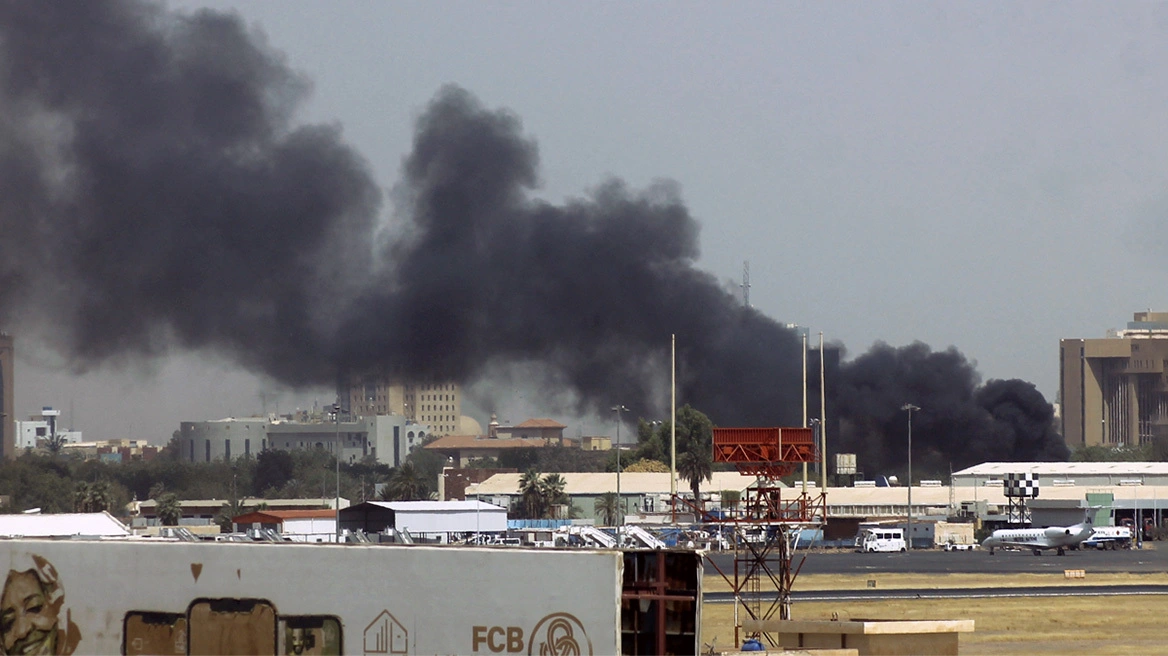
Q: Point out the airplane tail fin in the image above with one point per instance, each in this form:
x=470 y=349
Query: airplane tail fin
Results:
x=1089 y=514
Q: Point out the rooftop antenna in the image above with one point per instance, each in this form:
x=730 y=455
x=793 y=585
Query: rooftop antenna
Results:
x=745 y=283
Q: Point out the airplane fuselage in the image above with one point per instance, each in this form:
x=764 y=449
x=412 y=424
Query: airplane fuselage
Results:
x=1059 y=538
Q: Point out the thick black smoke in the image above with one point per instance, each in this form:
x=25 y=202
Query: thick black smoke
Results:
x=153 y=191
x=960 y=422
x=156 y=193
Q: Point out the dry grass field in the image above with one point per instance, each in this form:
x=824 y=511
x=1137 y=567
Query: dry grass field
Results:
x=1129 y=624
x=884 y=581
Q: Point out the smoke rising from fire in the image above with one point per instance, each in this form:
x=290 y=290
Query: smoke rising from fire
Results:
x=156 y=193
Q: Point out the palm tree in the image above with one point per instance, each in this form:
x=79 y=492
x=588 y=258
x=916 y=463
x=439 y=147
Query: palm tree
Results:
x=168 y=509
x=81 y=497
x=695 y=465
x=92 y=497
x=405 y=485
x=730 y=499
x=531 y=494
x=605 y=507
x=552 y=489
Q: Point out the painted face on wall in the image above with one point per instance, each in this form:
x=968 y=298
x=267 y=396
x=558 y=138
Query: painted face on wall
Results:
x=28 y=621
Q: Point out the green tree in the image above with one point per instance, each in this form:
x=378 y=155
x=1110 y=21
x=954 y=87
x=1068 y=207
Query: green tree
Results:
x=405 y=485
x=651 y=441
x=273 y=470
x=531 y=494
x=695 y=466
x=730 y=499
x=695 y=435
x=645 y=465
x=606 y=507
x=553 y=490
x=93 y=497
x=168 y=508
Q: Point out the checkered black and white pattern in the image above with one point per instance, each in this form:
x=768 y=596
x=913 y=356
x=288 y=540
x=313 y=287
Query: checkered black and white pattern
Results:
x=1021 y=485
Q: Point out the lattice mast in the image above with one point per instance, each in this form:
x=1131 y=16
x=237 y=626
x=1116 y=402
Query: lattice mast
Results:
x=767 y=526
x=746 y=283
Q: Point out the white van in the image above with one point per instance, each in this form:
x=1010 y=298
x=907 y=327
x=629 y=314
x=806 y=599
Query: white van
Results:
x=882 y=539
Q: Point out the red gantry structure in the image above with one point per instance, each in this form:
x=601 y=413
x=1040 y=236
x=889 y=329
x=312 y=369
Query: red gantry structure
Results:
x=766 y=526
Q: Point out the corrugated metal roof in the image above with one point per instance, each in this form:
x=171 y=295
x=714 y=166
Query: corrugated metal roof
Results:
x=64 y=525
x=434 y=506
x=281 y=515
x=273 y=504
x=595 y=483
x=1000 y=469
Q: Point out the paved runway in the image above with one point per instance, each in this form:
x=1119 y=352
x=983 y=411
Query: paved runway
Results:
x=972 y=562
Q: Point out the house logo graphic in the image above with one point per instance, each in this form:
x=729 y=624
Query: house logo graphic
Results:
x=559 y=634
x=385 y=635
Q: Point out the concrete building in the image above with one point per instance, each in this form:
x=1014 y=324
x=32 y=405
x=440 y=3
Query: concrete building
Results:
x=41 y=429
x=388 y=438
x=534 y=433
x=1114 y=391
x=296 y=525
x=644 y=495
x=438 y=405
x=7 y=406
x=111 y=451
x=531 y=429
x=202 y=512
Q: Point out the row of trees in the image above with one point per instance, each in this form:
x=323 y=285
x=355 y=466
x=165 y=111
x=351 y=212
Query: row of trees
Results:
x=55 y=483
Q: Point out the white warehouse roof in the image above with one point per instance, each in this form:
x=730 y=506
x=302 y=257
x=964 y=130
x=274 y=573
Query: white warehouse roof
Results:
x=597 y=483
x=1000 y=469
x=100 y=524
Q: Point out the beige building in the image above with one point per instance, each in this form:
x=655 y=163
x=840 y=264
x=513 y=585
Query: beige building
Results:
x=437 y=404
x=7 y=408
x=1114 y=390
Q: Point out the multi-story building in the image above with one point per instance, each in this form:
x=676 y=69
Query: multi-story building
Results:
x=7 y=410
x=42 y=430
x=1113 y=391
x=438 y=405
x=388 y=438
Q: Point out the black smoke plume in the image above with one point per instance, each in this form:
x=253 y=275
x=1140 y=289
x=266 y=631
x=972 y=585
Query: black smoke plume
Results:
x=959 y=422
x=156 y=193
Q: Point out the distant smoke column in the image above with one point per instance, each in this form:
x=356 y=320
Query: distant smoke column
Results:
x=7 y=412
x=587 y=291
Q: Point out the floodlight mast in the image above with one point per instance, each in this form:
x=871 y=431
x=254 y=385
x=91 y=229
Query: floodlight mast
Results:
x=908 y=534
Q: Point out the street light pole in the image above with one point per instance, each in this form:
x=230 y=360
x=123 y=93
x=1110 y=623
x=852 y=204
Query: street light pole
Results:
x=620 y=515
x=337 y=449
x=910 y=407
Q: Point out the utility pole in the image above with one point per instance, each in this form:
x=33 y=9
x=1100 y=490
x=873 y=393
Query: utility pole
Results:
x=910 y=407
x=620 y=515
x=337 y=453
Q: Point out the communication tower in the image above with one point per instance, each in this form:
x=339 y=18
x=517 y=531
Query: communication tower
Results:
x=745 y=283
x=764 y=527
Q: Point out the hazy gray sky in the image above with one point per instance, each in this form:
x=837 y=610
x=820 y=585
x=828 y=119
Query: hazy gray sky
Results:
x=989 y=176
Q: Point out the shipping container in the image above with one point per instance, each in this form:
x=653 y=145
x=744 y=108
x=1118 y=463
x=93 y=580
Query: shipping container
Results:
x=158 y=597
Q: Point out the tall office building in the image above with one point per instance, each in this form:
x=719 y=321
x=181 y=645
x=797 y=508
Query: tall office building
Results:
x=1114 y=390
x=437 y=404
x=7 y=409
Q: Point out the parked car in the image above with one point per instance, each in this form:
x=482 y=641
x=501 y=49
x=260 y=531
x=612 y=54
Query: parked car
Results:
x=953 y=546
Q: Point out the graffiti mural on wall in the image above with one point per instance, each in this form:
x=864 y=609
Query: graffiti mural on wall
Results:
x=31 y=621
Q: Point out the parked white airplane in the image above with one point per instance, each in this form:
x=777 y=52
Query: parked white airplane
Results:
x=1038 y=539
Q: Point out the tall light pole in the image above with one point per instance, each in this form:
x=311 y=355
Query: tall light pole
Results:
x=910 y=407
x=620 y=515
x=337 y=442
